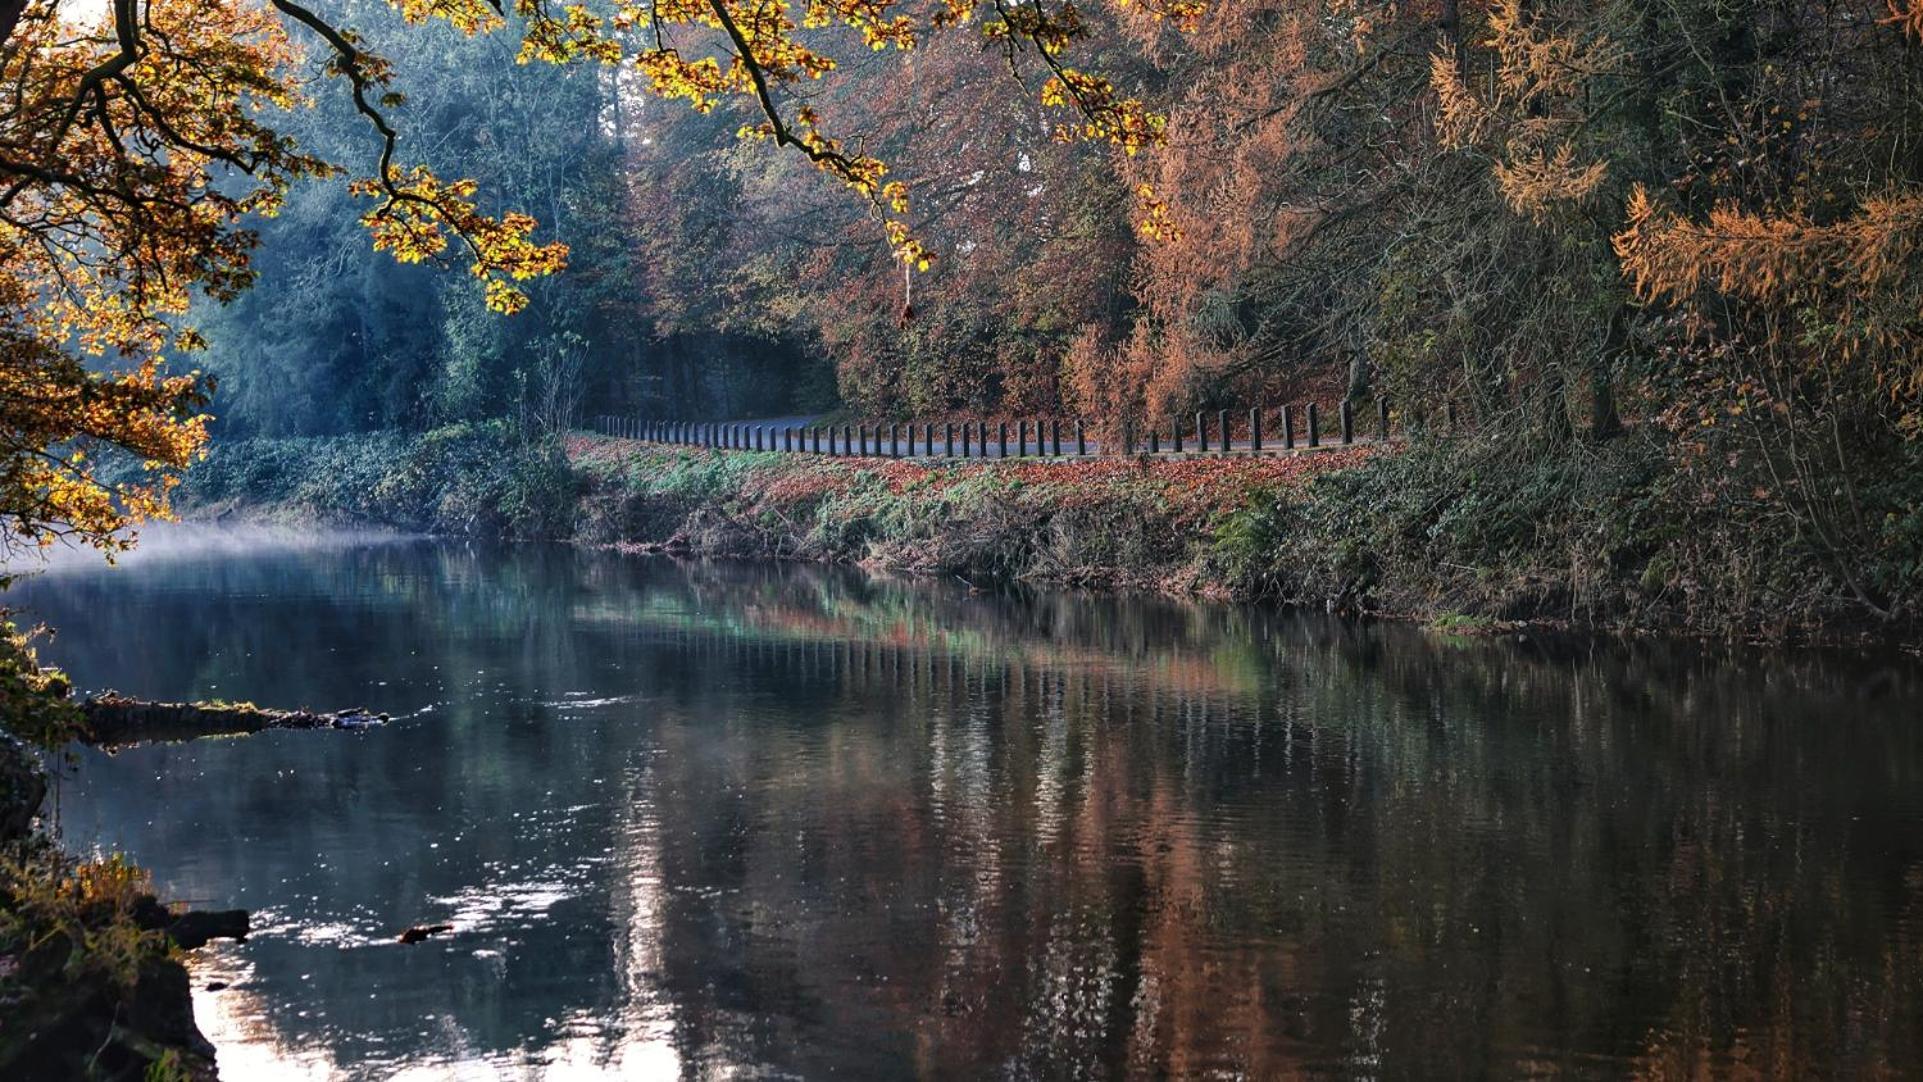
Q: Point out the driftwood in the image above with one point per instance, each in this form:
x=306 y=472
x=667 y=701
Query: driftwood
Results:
x=115 y=719
x=422 y=931
x=191 y=929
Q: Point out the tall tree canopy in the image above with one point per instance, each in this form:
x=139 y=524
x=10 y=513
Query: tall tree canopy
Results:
x=140 y=139
x=1697 y=219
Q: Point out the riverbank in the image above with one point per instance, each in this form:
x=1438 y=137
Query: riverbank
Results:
x=1470 y=532
x=91 y=982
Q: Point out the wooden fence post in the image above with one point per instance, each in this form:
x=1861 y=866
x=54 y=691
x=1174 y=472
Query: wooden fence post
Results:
x=1175 y=431
x=1155 y=440
x=1021 y=441
x=1255 y=430
x=1288 y=427
x=1081 y=437
x=1222 y=423
x=1055 y=435
x=1315 y=427
x=1201 y=432
x=1001 y=439
x=948 y=439
x=1347 y=413
x=1382 y=418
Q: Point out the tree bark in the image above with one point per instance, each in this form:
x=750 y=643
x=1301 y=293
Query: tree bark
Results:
x=10 y=12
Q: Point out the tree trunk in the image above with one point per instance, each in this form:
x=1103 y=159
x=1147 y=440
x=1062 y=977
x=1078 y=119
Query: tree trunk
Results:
x=1604 y=421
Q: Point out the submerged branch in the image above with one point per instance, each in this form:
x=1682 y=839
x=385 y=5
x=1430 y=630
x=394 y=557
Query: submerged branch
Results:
x=114 y=720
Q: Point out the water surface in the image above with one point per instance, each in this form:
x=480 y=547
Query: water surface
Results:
x=739 y=820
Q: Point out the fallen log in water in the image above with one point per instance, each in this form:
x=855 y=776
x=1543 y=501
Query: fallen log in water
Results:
x=115 y=719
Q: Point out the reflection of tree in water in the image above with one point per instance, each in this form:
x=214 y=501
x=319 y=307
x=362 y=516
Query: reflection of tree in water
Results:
x=885 y=827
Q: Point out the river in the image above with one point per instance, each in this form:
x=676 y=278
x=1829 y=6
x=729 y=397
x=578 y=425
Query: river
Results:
x=730 y=820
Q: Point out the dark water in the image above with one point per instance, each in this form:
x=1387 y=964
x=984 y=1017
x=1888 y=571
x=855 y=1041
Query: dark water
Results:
x=741 y=820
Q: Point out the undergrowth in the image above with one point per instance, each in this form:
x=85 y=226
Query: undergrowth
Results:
x=1622 y=533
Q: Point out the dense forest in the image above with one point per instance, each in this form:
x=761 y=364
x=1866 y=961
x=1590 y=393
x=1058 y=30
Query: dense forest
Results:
x=1565 y=215
x=1664 y=257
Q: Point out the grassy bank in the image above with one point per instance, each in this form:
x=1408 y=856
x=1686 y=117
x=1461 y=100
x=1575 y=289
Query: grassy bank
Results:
x=1468 y=531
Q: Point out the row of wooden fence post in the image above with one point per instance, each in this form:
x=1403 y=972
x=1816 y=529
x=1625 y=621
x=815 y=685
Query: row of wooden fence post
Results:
x=976 y=439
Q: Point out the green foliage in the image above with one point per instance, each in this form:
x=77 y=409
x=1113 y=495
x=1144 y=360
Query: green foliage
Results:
x=1616 y=535
x=470 y=479
x=36 y=704
x=75 y=918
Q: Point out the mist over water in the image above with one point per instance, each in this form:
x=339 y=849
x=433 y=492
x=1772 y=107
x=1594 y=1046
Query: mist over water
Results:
x=701 y=819
x=168 y=541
